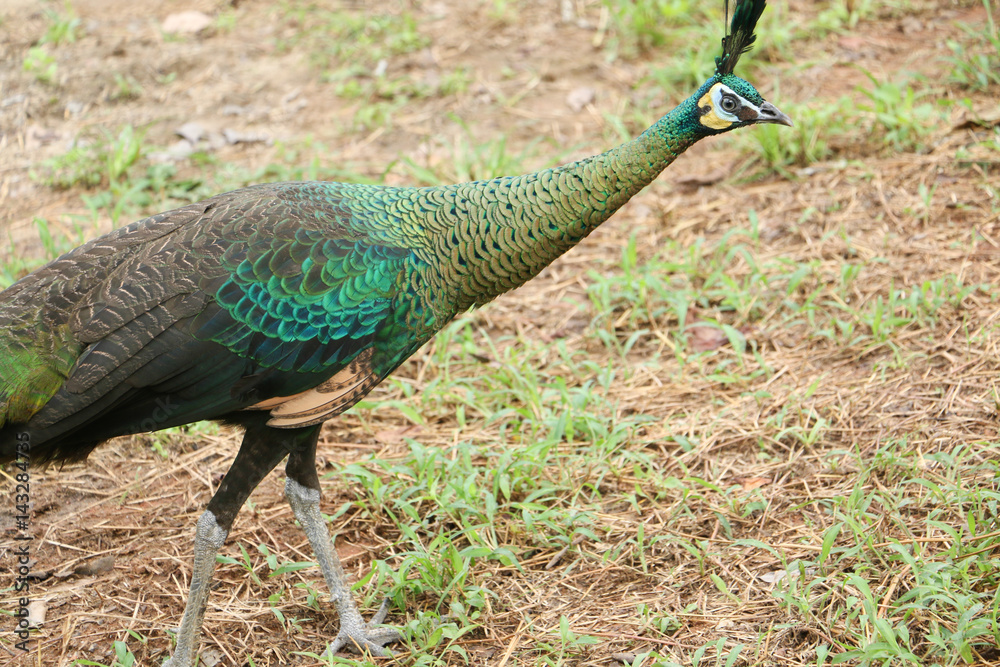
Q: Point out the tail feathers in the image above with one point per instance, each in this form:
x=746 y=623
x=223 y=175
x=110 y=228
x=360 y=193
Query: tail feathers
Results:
x=71 y=426
x=173 y=380
x=59 y=442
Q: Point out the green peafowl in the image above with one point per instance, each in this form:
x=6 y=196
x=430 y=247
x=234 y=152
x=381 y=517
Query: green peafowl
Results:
x=279 y=306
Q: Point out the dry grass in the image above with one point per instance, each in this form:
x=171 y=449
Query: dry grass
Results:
x=709 y=501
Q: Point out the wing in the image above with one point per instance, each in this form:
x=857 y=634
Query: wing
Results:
x=258 y=298
x=37 y=347
x=307 y=301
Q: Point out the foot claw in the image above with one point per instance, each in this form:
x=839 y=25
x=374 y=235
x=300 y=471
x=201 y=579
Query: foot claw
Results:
x=380 y=615
x=361 y=637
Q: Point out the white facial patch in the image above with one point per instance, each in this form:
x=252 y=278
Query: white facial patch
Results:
x=721 y=108
x=723 y=96
x=717 y=92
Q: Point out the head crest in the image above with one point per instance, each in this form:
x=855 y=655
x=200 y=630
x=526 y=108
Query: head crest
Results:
x=741 y=37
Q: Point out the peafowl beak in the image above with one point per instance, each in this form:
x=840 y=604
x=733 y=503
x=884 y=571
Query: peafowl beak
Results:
x=770 y=114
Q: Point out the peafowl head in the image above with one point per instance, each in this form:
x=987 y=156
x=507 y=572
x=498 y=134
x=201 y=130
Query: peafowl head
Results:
x=726 y=101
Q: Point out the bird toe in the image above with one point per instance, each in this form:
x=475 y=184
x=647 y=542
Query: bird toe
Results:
x=366 y=637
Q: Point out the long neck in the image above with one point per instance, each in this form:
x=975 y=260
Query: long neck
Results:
x=496 y=235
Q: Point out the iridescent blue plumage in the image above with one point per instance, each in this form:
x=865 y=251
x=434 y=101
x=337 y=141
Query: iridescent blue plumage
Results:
x=293 y=293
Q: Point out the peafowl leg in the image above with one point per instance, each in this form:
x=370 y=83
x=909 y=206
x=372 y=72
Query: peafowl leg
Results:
x=258 y=455
x=208 y=539
x=302 y=491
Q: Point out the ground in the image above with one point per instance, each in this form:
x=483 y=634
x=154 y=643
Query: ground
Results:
x=752 y=420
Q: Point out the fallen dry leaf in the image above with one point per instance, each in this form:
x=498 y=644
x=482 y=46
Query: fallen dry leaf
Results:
x=95 y=567
x=186 y=23
x=703 y=337
x=36 y=612
x=579 y=98
x=751 y=483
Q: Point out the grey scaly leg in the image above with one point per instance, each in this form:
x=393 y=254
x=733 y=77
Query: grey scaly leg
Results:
x=302 y=491
x=208 y=539
x=262 y=449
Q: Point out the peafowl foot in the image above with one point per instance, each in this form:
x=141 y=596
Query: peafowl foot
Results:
x=360 y=637
x=355 y=634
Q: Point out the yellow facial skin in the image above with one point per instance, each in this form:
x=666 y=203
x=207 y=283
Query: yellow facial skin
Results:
x=711 y=119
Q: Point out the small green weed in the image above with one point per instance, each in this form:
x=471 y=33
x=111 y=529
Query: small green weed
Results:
x=42 y=65
x=455 y=81
x=123 y=656
x=63 y=28
x=125 y=88
x=107 y=167
x=686 y=70
x=846 y=14
x=470 y=159
x=160 y=440
x=975 y=62
x=225 y=20
x=40 y=62
x=647 y=24
x=567 y=646
x=661 y=291
x=356 y=50
x=898 y=118
x=812 y=139
x=55 y=245
x=504 y=11
x=243 y=562
x=104 y=160
x=953 y=589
